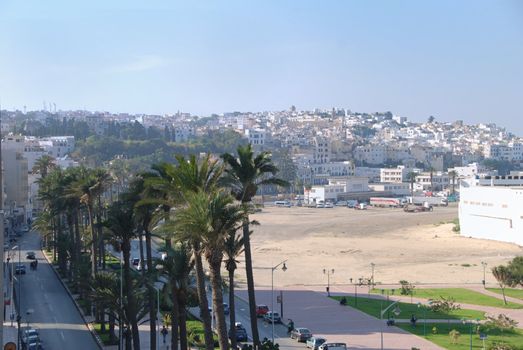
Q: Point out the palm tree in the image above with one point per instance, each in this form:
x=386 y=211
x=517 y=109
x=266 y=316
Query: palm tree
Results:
x=176 y=267
x=208 y=218
x=44 y=165
x=105 y=291
x=144 y=211
x=120 y=222
x=244 y=175
x=171 y=186
x=502 y=275
x=411 y=176
x=431 y=174
x=233 y=248
x=453 y=174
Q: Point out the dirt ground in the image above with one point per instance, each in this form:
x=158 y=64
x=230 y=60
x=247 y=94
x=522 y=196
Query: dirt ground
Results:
x=418 y=247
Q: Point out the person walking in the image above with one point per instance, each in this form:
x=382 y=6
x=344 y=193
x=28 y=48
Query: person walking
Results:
x=164 y=333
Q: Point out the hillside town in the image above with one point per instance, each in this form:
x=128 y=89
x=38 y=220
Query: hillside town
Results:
x=333 y=155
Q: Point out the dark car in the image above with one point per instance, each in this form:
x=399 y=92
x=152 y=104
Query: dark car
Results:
x=301 y=334
x=30 y=255
x=226 y=308
x=20 y=270
x=241 y=332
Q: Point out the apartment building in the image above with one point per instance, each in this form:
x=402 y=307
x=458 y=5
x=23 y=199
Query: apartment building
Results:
x=398 y=174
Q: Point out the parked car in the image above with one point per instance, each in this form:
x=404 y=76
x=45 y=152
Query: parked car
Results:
x=269 y=316
x=315 y=342
x=135 y=262
x=241 y=332
x=35 y=346
x=320 y=205
x=352 y=203
x=29 y=332
x=20 y=270
x=31 y=339
x=333 y=346
x=261 y=310
x=341 y=203
x=329 y=205
x=142 y=264
x=30 y=255
x=361 y=206
x=301 y=334
x=226 y=308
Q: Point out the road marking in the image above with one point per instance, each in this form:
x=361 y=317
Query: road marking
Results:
x=62 y=335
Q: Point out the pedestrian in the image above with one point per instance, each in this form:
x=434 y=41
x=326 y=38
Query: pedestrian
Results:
x=164 y=333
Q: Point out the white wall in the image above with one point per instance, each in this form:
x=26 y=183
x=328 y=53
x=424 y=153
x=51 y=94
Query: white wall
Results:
x=492 y=213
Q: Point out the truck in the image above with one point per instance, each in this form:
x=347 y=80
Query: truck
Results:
x=433 y=201
x=413 y=208
x=387 y=202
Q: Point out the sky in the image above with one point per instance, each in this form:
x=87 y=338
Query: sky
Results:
x=450 y=59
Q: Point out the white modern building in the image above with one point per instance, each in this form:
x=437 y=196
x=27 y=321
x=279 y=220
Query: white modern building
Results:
x=395 y=188
x=492 y=212
x=398 y=174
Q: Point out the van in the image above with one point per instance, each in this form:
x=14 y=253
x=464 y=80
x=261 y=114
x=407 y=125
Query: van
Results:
x=333 y=346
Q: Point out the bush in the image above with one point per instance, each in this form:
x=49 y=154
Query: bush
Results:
x=407 y=288
x=501 y=346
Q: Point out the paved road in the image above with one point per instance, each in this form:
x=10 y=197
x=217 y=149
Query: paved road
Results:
x=53 y=312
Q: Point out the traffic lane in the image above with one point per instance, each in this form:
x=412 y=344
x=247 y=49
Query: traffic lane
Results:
x=54 y=313
x=264 y=328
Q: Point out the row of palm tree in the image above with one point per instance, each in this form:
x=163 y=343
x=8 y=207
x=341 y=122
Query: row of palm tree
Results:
x=199 y=208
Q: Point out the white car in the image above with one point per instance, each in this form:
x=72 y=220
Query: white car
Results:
x=329 y=205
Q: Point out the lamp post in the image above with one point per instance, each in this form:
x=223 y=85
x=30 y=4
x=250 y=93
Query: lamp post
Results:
x=284 y=268
x=471 y=323
x=158 y=286
x=372 y=265
x=484 y=264
x=396 y=311
x=424 y=318
x=328 y=273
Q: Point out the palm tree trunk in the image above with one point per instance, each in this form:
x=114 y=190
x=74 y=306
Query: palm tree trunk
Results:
x=94 y=268
x=152 y=301
x=232 y=308
x=175 y=318
x=217 y=300
x=78 y=247
x=182 y=302
x=202 y=299
x=131 y=302
x=112 y=321
x=250 y=285
x=142 y=257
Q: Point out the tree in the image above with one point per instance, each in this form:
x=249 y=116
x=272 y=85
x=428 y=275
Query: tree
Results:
x=120 y=221
x=411 y=176
x=208 y=218
x=431 y=175
x=431 y=119
x=177 y=266
x=233 y=248
x=44 y=165
x=454 y=336
x=515 y=267
x=244 y=174
x=502 y=275
x=453 y=174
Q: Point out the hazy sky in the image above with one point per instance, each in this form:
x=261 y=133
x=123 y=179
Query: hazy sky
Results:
x=451 y=59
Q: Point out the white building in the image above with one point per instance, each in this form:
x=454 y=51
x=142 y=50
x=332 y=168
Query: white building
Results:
x=322 y=149
x=492 y=213
x=398 y=174
x=256 y=137
x=397 y=189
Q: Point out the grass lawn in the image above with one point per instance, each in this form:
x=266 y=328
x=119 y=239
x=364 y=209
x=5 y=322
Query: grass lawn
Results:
x=104 y=336
x=461 y=295
x=195 y=334
x=373 y=306
x=443 y=339
x=509 y=292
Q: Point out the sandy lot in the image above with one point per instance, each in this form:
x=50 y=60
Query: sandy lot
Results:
x=418 y=247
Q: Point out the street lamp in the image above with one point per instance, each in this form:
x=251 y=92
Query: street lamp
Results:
x=484 y=264
x=424 y=318
x=158 y=286
x=396 y=311
x=372 y=274
x=471 y=323
x=284 y=268
x=328 y=273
